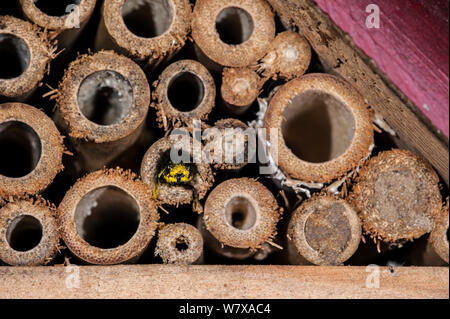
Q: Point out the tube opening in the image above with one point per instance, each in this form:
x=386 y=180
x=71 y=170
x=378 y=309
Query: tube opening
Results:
x=14 y=56
x=234 y=25
x=148 y=18
x=24 y=233
x=186 y=91
x=240 y=213
x=181 y=244
x=57 y=8
x=317 y=127
x=447 y=234
x=105 y=98
x=107 y=217
x=21 y=149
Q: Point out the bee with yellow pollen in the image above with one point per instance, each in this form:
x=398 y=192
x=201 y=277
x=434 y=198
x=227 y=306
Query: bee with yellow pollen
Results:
x=177 y=174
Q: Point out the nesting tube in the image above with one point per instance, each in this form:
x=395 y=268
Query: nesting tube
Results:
x=108 y=217
x=240 y=88
x=64 y=19
x=179 y=244
x=25 y=53
x=323 y=128
x=102 y=102
x=158 y=159
x=184 y=92
x=242 y=213
x=397 y=197
x=234 y=33
x=323 y=231
x=32 y=150
x=230 y=149
x=28 y=232
x=288 y=57
x=148 y=31
x=439 y=235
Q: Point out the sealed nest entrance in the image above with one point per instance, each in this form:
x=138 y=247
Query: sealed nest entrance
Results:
x=105 y=98
x=240 y=213
x=24 y=233
x=234 y=25
x=186 y=91
x=57 y=8
x=401 y=200
x=148 y=18
x=22 y=147
x=317 y=127
x=14 y=56
x=107 y=217
x=328 y=232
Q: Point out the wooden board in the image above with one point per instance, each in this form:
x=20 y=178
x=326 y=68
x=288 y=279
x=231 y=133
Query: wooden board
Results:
x=341 y=56
x=256 y=282
x=411 y=46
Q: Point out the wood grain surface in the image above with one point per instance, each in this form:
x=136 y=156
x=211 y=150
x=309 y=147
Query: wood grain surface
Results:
x=256 y=282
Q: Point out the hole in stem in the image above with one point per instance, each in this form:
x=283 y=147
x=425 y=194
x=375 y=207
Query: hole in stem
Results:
x=105 y=98
x=240 y=213
x=186 y=91
x=57 y=8
x=447 y=234
x=181 y=244
x=24 y=233
x=234 y=25
x=107 y=217
x=21 y=149
x=317 y=127
x=148 y=18
x=14 y=56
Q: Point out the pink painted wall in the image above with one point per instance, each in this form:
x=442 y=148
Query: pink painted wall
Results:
x=411 y=47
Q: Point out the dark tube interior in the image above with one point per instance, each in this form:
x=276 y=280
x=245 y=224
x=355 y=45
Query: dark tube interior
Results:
x=148 y=18
x=186 y=91
x=240 y=213
x=20 y=148
x=105 y=98
x=14 y=56
x=234 y=25
x=24 y=233
x=56 y=8
x=107 y=217
x=317 y=127
x=181 y=244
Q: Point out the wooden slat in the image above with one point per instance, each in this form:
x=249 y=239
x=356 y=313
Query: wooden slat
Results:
x=164 y=281
x=340 y=56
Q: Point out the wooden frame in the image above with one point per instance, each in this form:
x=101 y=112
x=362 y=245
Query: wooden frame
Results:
x=340 y=56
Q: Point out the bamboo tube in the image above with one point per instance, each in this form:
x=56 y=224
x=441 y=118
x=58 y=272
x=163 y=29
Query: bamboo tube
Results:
x=242 y=213
x=324 y=129
x=179 y=244
x=32 y=150
x=324 y=231
x=108 y=217
x=102 y=104
x=28 y=233
x=233 y=33
x=219 y=249
x=158 y=157
x=64 y=19
x=25 y=53
x=397 y=197
x=184 y=92
x=230 y=151
x=288 y=57
x=240 y=88
x=148 y=31
x=439 y=235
